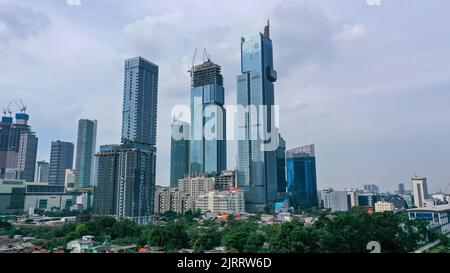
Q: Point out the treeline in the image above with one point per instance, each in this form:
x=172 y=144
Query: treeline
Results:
x=340 y=233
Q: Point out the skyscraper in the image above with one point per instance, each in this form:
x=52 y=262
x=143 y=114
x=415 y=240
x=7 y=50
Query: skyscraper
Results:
x=27 y=156
x=208 y=151
x=420 y=191
x=84 y=163
x=179 y=151
x=281 y=166
x=401 y=188
x=372 y=188
x=301 y=176
x=42 y=172
x=126 y=173
x=257 y=167
x=61 y=159
x=10 y=139
x=140 y=100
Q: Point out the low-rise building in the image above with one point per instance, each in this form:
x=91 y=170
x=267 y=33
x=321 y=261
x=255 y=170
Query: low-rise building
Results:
x=436 y=216
x=384 y=206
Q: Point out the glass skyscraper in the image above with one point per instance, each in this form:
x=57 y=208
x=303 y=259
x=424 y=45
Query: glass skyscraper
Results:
x=61 y=159
x=179 y=151
x=257 y=166
x=281 y=166
x=208 y=151
x=301 y=177
x=84 y=163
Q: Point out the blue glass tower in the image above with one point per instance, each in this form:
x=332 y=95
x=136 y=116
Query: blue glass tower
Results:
x=301 y=177
x=84 y=161
x=179 y=151
x=257 y=166
x=208 y=133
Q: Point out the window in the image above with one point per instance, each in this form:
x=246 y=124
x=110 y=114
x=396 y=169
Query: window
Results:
x=43 y=203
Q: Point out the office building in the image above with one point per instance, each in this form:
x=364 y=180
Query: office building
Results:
x=352 y=195
x=61 y=159
x=179 y=151
x=334 y=200
x=42 y=172
x=367 y=199
x=436 y=216
x=281 y=166
x=257 y=166
x=371 y=188
x=382 y=206
x=230 y=202
x=401 y=188
x=301 y=177
x=420 y=191
x=208 y=120
x=84 y=162
x=26 y=159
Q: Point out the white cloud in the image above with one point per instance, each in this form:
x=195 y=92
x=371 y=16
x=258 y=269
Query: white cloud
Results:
x=351 y=32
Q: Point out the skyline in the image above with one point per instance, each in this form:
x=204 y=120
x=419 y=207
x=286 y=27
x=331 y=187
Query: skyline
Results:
x=320 y=112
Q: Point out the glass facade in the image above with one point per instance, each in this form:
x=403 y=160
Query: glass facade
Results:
x=301 y=177
x=84 y=165
x=179 y=152
x=140 y=100
x=257 y=168
x=61 y=159
x=281 y=166
x=208 y=133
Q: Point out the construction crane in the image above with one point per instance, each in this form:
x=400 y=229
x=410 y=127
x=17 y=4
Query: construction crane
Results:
x=20 y=107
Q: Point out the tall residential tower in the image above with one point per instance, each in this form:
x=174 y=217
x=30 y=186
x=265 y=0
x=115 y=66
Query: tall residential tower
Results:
x=84 y=163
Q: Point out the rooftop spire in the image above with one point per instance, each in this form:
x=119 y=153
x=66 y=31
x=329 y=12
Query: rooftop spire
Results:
x=267 y=29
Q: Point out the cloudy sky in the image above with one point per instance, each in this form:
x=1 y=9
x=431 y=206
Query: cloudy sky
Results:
x=368 y=84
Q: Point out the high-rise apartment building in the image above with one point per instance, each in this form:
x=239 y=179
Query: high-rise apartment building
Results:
x=196 y=185
x=84 y=162
x=171 y=199
x=301 y=177
x=372 y=188
x=257 y=166
x=126 y=172
x=208 y=150
x=61 y=159
x=226 y=180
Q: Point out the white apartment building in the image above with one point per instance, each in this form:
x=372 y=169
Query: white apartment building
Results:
x=231 y=201
x=197 y=185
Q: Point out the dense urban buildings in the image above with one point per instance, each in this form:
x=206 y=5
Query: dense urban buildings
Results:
x=42 y=172
x=382 y=206
x=12 y=143
x=372 y=188
x=127 y=171
x=208 y=150
x=196 y=185
x=61 y=159
x=257 y=167
x=301 y=176
x=84 y=163
x=420 y=191
x=179 y=151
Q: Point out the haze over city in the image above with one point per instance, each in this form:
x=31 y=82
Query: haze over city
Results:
x=346 y=78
